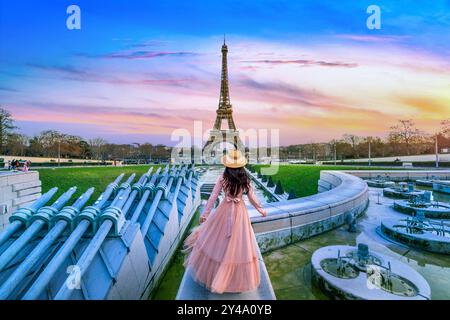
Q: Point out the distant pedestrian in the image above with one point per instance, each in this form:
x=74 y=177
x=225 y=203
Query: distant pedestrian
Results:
x=24 y=167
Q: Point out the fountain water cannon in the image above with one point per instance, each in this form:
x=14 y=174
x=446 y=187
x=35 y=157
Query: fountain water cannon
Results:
x=161 y=192
x=191 y=171
x=114 y=210
x=136 y=191
x=114 y=215
x=427 y=197
x=420 y=215
x=166 y=182
x=81 y=225
x=148 y=190
x=47 y=213
x=68 y=213
x=138 y=186
x=180 y=180
x=65 y=216
x=24 y=214
x=21 y=215
x=111 y=222
x=90 y=213
x=101 y=240
x=43 y=214
x=363 y=252
x=385 y=278
x=173 y=175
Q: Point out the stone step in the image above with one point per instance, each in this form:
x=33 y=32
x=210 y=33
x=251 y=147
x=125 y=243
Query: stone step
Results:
x=26 y=199
x=26 y=185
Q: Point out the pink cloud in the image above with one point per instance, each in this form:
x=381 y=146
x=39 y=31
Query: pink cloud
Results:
x=369 y=38
x=306 y=63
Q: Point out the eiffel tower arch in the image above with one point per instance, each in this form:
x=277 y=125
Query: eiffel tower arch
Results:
x=218 y=136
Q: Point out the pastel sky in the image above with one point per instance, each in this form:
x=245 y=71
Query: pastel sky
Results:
x=138 y=70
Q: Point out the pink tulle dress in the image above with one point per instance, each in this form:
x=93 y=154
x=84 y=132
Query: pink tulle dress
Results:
x=222 y=251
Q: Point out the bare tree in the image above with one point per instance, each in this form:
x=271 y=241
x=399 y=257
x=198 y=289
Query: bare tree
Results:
x=6 y=127
x=405 y=132
x=98 y=147
x=17 y=144
x=353 y=140
x=445 y=126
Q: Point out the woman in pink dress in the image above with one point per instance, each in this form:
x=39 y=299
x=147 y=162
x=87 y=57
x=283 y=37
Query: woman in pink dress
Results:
x=222 y=251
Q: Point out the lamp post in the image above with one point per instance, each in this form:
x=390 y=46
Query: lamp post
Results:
x=370 y=151
x=335 y=153
x=436 y=148
x=59 y=152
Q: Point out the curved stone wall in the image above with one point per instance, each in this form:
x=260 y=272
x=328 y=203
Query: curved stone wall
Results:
x=340 y=194
x=402 y=175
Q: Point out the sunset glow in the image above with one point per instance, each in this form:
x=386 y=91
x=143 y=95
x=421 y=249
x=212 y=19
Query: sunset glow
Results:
x=313 y=71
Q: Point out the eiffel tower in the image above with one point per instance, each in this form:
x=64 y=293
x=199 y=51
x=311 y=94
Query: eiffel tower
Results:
x=218 y=135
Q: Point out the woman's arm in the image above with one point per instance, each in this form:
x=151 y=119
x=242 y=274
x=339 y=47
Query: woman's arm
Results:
x=212 y=199
x=255 y=202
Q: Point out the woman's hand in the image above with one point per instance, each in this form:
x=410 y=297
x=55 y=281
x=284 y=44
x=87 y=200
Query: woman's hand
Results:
x=203 y=218
x=264 y=213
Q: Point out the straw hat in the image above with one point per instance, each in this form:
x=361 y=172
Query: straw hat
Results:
x=234 y=159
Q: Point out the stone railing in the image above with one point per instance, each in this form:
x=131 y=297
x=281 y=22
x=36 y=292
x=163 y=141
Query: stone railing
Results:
x=17 y=189
x=341 y=196
x=401 y=175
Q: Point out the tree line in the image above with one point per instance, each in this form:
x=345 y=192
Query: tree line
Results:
x=404 y=138
x=54 y=144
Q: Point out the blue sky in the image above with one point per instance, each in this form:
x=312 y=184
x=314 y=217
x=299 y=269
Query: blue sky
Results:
x=156 y=64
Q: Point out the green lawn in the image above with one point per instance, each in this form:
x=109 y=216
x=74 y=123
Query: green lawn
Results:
x=84 y=178
x=303 y=178
x=170 y=282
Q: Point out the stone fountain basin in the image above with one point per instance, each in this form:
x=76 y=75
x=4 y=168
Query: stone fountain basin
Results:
x=442 y=211
x=442 y=186
x=426 y=241
x=358 y=288
x=425 y=183
x=391 y=192
x=379 y=183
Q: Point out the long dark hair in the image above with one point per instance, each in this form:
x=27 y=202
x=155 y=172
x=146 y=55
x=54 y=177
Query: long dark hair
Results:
x=235 y=181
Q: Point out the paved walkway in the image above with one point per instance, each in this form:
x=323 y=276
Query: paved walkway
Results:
x=191 y=290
